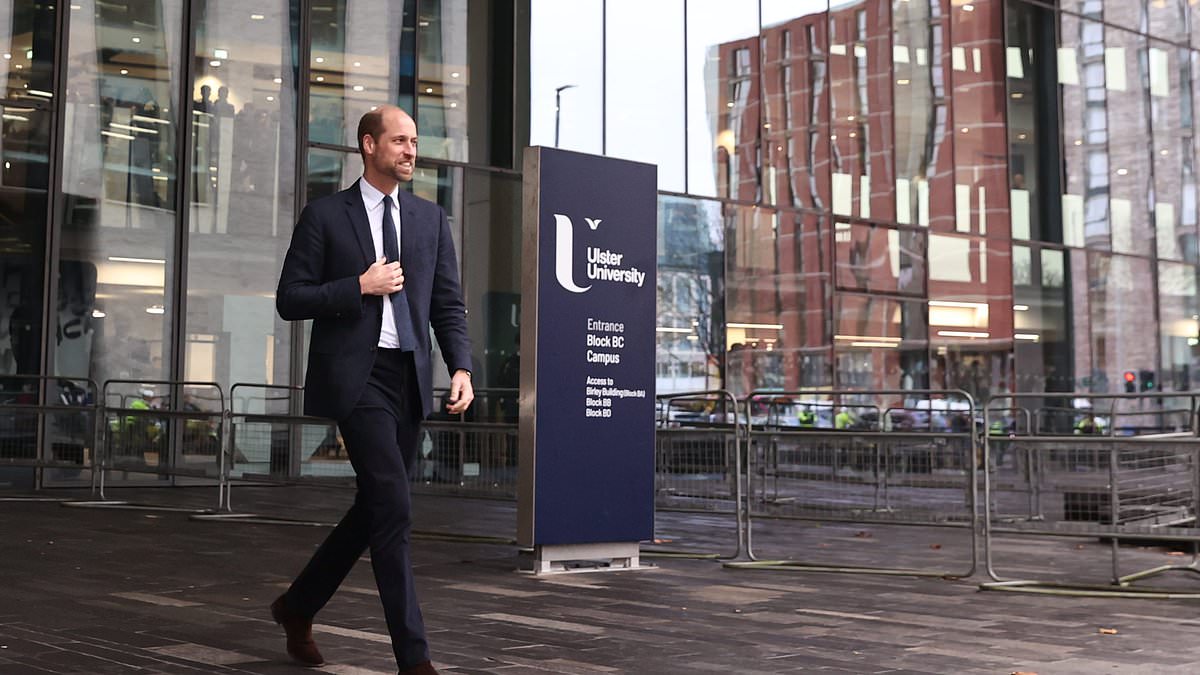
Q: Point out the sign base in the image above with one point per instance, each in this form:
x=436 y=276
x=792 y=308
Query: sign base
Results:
x=606 y=557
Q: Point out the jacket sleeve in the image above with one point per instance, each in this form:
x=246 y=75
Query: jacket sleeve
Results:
x=303 y=291
x=448 y=312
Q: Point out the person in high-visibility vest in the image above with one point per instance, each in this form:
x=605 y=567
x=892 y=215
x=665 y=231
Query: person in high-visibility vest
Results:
x=1088 y=425
x=134 y=432
x=844 y=419
x=806 y=418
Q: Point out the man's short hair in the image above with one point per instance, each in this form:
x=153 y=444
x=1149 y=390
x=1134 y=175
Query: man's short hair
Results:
x=371 y=123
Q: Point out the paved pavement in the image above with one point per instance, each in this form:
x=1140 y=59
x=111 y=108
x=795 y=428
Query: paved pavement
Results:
x=152 y=591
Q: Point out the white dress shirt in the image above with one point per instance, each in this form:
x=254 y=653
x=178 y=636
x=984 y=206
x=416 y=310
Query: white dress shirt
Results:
x=373 y=200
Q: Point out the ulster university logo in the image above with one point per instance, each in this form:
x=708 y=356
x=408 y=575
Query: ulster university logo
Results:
x=602 y=264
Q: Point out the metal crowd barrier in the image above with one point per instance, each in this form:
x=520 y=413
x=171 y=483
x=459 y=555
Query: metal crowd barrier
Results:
x=1104 y=485
x=66 y=419
x=473 y=453
x=874 y=472
x=698 y=469
x=170 y=431
x=269 y=443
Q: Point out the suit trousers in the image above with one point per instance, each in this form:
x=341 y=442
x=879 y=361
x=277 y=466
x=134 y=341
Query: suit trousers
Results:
x=381 y=435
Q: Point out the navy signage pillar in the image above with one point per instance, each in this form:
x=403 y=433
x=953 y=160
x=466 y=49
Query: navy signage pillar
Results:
x=586 y=481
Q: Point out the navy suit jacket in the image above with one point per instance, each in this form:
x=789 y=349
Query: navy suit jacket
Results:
x=331 y=246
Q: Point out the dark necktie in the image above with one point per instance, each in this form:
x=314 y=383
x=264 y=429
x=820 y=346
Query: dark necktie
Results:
x=404 y=326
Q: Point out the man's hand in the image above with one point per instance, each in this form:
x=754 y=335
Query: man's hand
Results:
x=381 y=278
x=461 y=392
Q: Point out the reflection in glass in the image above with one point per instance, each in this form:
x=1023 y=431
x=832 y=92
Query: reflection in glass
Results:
x=649 y=133
x=1042 y=315
x=330 y=171
x=860 y=71
x=1033 y=123
x=1131 y=164
x=1122 y=321
x=1081 y=72
x=924 y=152
x=27 y=50
x=880 y=343
x=24 y=150
x=723 y=98
x=796 y=131
x=1179 y=316
x=970 y=322
x=978 y=59
x=119 y=184
x=1174 y=215
x=242 y=194
x=465 y=96
x=875 y=258
x=691 y=281
x=566 y=52
x=363 y=55
x=491 y=269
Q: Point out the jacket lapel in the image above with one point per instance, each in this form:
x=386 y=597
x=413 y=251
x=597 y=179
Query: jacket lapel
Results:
x=358 y=220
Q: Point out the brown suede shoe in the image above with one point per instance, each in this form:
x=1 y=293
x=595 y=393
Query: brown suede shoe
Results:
x=300 y=645
x=420 y=669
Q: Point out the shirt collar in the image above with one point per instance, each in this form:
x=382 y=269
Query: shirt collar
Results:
x=372 y=196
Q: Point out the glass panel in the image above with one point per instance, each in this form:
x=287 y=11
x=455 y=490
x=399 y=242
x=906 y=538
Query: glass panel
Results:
x=924 y=138
x=243 y=195
x=363 y=55
x=978 y=60
x=881 y=343
x=1122 y=320
x=722 y=98
x=691 y=278
x=1179 y=316
x=24 y=153
x=1092 y=9
x=860 y=69
x=119 y=223
x=1033 y=123
x=465 y=97
x=491 y=268
x=970 y=323
x=874 y=258
x=27 y=50
x=1050 y=319
x=1081 y=74
x=330 y=171
x=566 y=55
x=1168 y=19
x=796 y=161
x=648 y=133
x=1131 y=163
x=1174 y=208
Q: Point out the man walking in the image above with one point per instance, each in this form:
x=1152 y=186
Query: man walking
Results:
x=374 y=268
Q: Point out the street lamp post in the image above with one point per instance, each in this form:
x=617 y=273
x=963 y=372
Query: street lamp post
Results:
x=557 y=107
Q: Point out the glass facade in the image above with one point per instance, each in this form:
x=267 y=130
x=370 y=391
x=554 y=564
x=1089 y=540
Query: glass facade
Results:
x=997 y=195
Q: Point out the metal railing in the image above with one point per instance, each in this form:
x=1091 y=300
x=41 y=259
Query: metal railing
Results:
x=905 y=459
x=1101 y=485
x=64 y=421
x=170 y=430
x=698 y=469
x=866 y=475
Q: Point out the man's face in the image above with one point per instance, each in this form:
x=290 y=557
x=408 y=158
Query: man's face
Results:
x=394 y=153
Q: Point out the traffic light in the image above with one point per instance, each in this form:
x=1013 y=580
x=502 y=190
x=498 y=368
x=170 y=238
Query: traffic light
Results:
x=1130 y=382
x=1147 y=378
